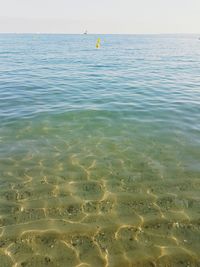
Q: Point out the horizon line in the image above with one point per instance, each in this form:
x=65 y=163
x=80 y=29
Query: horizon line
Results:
x=65 y=33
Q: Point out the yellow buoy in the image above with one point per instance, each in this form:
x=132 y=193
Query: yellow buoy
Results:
x=98 y=43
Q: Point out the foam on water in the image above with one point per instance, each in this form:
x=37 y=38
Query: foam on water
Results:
x=99 y=151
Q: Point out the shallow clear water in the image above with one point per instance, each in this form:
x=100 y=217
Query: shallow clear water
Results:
x=99 y=151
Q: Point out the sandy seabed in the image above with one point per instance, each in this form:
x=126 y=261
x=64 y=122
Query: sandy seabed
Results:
x=101 y=213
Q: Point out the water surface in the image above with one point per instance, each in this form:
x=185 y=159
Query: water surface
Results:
x=99 y=151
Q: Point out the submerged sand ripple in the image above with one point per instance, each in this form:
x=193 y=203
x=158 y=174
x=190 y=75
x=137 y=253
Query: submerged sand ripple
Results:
x=87 y=215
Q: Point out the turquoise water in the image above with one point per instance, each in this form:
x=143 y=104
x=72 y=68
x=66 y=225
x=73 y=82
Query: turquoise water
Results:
x=99 y=150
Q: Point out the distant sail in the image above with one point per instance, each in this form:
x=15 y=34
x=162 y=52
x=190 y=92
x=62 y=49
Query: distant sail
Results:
x=86 y=32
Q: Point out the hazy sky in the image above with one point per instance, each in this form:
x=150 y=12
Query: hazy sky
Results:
x=100 y=16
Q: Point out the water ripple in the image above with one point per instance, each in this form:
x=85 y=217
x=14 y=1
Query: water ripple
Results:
x=99 y=151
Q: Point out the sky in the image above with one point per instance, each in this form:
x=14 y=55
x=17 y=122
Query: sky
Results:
x=100 y=16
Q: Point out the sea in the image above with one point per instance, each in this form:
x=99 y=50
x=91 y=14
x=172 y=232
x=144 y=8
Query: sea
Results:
x=99 y=150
